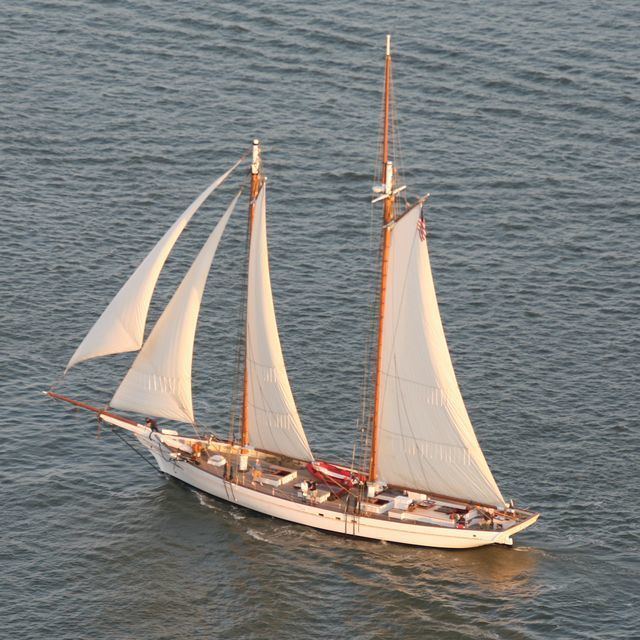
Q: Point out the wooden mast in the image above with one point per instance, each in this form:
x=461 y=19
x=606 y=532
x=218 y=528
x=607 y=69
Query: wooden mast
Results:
x=256 y=181
x=387 y=184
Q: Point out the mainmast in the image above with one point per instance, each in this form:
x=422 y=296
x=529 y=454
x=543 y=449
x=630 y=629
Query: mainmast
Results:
x=388 y=198
x=256 y=183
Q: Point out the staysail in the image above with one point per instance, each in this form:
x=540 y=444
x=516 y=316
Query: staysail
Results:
x=273 y=420
x=159 y=381
x=120 y=328
x=426 y=440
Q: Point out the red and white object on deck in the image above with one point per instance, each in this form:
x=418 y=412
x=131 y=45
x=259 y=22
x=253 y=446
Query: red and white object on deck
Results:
x=335 y=474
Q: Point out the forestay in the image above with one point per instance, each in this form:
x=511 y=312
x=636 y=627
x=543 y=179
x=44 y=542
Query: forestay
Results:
x=273 y=420
x=120 y=328
x=159 y=381
x=426 y=440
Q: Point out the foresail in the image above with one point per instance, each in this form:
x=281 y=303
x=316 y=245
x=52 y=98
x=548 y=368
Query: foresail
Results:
x=120 y=328
x=159 y=381
x=273 y=420
x=426 y=439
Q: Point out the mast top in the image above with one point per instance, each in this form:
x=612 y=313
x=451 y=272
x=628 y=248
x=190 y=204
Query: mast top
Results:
x=255 y=157
x=388 y=44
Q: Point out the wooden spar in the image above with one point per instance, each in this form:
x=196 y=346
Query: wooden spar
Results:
x=387 y=182
x=88 y=407
x=256 y=179
x=385 y=131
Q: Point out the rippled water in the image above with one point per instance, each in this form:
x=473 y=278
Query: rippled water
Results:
x=522 y=122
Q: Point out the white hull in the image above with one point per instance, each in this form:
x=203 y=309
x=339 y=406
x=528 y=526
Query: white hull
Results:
x=174 y=456
x=326 y=519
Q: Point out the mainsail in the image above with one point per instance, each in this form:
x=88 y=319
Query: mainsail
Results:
x=426 y=439
x=273 y=420
x=120 y=328
x=159 y=381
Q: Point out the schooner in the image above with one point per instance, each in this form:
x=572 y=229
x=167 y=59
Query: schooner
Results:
x=422 y=478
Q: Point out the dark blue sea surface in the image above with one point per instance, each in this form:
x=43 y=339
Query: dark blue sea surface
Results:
x=521 y=120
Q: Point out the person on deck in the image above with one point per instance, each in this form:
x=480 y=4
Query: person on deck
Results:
x=196 y=449
x=304 y=489
x=256 y=473
x=152 y=424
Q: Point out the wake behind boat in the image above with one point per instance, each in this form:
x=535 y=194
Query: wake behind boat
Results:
x=421 y=477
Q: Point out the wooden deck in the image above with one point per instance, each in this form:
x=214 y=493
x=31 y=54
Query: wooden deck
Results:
x=276 y=476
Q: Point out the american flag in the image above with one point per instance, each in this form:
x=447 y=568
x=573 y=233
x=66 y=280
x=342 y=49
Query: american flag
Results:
x=422 y=227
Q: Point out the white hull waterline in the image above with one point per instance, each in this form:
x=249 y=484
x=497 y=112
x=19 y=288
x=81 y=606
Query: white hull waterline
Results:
x=281 y=497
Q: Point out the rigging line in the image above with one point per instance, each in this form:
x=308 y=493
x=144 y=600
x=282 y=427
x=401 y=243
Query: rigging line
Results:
x=369 y=354
x=58 y=381
x=362 y=435
x=355 y=442
x=238 y=380
x=395 y=139
x=370 y=361
x=366 y=364
x=366 y=374
x=328 y=479
x=117 y=433
x=374 y=294
x=377 y=175
x=195 y=427
x=377 y=178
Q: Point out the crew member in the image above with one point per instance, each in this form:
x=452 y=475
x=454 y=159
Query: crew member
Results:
x=313 y=490
x=196 y=449
x=256 y=473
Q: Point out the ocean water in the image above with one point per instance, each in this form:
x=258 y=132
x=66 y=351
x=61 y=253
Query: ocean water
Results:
x=520 y=119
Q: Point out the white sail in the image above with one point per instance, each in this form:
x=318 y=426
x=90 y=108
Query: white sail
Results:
x=273 y=420
x=120 y=328
x=159 y=381
x=426 y=440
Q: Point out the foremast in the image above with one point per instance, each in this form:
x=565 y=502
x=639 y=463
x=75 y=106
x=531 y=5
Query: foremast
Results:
x=270 y=418
x=257 y=179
